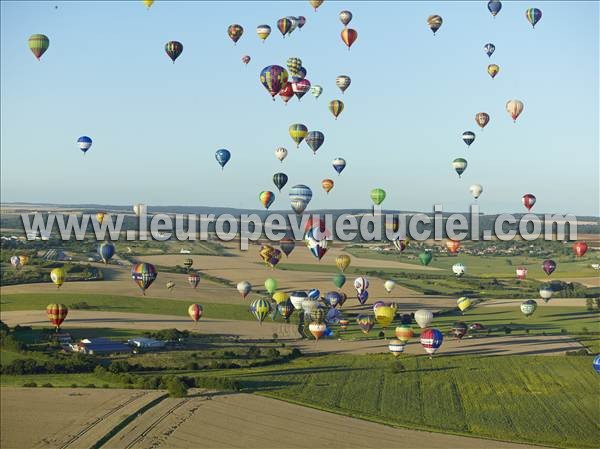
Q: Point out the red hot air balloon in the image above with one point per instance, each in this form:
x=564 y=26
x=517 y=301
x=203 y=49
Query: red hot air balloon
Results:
x=57 y=314
x=549 y=266
x=349 y=36
x=195 y=312
x=286 y=92
x=580 y=248
x=521 y=273
x=453 y=246
x=528 y=200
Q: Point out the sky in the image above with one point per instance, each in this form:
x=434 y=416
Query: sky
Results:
x=156 y=125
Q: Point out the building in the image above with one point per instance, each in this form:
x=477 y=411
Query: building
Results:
x=100 y=346
x=146 y=344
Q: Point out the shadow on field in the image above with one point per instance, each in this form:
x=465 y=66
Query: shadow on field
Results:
x=253 y=386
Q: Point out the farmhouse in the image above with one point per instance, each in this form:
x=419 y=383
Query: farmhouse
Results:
x=100 y=346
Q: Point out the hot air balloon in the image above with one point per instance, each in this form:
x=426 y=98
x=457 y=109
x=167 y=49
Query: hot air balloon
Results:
x=284 y=26
x=533 y=16
x=263 y=32
x=280 y=296
x=194 y=279
x=528 y=307
x=300 y=195
x=339 y=164
x=494 y=6
x=38 y=44
x=316 y=91
x=453 y=246
x=281 y=153
x=244 y=288
x=266 y=198
x=333 y=298
x=463 y=303
x=327 y=185
x=235 y=32
x=143 y=274
x=459 y=269
x=15 y=261
x=489 y=49
x=434 y=22
x=349 y=36
x=84 y=143
x=298 y=132
x=342 y=262
x=285 y=309
x=344 y=324
x=286 y=93
x=459 y=165
x=314 y=139
x=493 y=70
x=293 y=23
x=317 y=329
x=431 y=340
x=287 y=245
x=260 y=308
x=316 y=241
x=404 y=333
x=580 y=248
x=58 y=275
x=423 y=317
x=365 y=322
x=400 y=243
x=514 y=108
x=459 y=329
x=148 y=3
x=482 y=119
x=362 y=296
x=377 y=196
x=596 y=364
x=361 y=284
x=195 y=312
x=521 y=273
x=315 y=3
x=549 y=266
x=246 y=59
x=188 y=263
x=106 y=250
x=100 y=217
x=23 y=260
x=476 y=190
x=297 y=297
x=528 y=200
x=271 y=285
x=339 y=280
x=173 y=49
x=139 y=209
x=336 y=107
x=56 y=314
x=314 y=293
x=468 y=137
x=345 y=17
x=170 y=285
x=343 y=82
x=222 y=156
x=385 y=315
x=389 y=285
x=425 y=257
x=294 y=65
x=546 y=292
x=273 y=78
x=396 y=347
x=301 y=21
x=300 y=88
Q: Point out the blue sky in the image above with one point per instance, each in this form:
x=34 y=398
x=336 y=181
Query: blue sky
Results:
x=156 y=125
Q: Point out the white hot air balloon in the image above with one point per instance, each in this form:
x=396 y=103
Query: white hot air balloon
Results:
x=297 y=298
x=361 y=284
x=343 y=82
x=389 y=285
x=281 y=153
x=139 y=209
x=514 y=108
x=423 y=317
x=459 y=269
x=396 y=347
x=476 y=190
x=244 y=288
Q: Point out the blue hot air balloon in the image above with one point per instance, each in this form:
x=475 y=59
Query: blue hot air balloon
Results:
x=489 y=49
x=339 y=164
x=314 y=140
x=597 y=364
x=106 y=250
x=300 y=196
x=494 y=6
x=84 y=143
x=533 y=15
x=314 y=293
x=222 y=157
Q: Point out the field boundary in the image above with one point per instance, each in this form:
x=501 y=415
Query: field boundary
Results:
x=125 y=422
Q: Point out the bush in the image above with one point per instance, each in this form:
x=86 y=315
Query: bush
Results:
x=272 y=353
x=581 y=351
x=176 y=388
x=105 y=386
x=73 y=385
x=398 y=367
x=253 y=352
x=30 y=384
x=90 y=386
x=193 y=366
x=48 y=385
x=507 y=330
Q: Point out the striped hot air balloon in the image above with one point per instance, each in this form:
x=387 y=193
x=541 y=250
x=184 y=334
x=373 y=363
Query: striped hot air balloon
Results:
x=396 y=347
x=195 y=312
x=336 y=107
x=56 y=314
x=339 y=164
x=143 y=274
x=365 y=322
x=298 y=132
x=404 y=333
x=431 y=340
x=38 y=44
x=194 y=279
x=260 y=308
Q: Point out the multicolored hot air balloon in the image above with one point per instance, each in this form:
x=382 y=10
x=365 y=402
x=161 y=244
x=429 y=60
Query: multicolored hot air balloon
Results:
x=287 y=245
x=482 y=119
x=188 y=263
x=396 y=347
x=300 y=87
x=294 y=65
x=284 y=25
x=425 y=257
x=263 y=32
x=38 y=44
x=400 y=243
x=349 y=36
x=377 y=196
x=266 y=198
x=580 y=248
x=528 y=200
x=404 y=333
x=173 y=49
x=533 y=16
x=194 y=279
x=195 y=312
x=342 y=262
x=459 y=329
x=273 y=78
x=235 y=32
x=281 y=153
x=549 y=266
x=23 y=259
x=521 y=273
x=339 y=164
x=343 y=82
x=316 y=241
x=106 y=250
x=285 y=309
x=514 y=108
x=297 y=298
x=423 y=317
x=489 y=49
x=468 y=137
x=494 y=7
x=336 y=107
x=361 y=284
x=244 y=288
x=246 y=59
x=143 y=274
x=493 y=70
x=528 y=307
x=431 y=340
x=327 y=185
x=222 y=156
x=365 y=322
x=15 y=261
x=434 y=22
x=58 y=276
x=314 y=139
x=56 y=314
x=317 y=329
x=260 y=308
x=84 y=143
x=298 y=132
x=333 y=298
x=316 y=91
x=300 y=195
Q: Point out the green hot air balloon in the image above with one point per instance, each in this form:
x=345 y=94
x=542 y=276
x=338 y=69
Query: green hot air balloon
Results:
x=298 y=132
x=38 y=44
x=378 y=195
x=271 y=285
x=339 y=280
x=425 y=257
x=459 y=165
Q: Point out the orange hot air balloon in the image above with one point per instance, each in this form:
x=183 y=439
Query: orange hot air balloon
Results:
x=453 y=246
x=580 y=248
x=57 y=314
x=327 y=185
x=100 y=217
x=349 y=36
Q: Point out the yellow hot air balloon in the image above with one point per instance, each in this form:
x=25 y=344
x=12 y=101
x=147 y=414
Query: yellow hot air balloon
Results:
x=315 y=3
x=58 y=276
x=463 y=303
x=385 y=315
x=23 y=260
x=280 y=297
x=148 y=3
x=100 y=217
x=342 y=262
x=493 y=70
x=404 y=333
x=298 y=132
x=336 y=107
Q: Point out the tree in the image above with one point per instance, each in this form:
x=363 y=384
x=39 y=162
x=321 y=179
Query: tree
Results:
x=176 y=388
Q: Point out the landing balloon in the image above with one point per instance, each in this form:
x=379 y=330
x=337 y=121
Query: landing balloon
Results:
x=244 y=288
x=58 y=275
x=528 y=307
